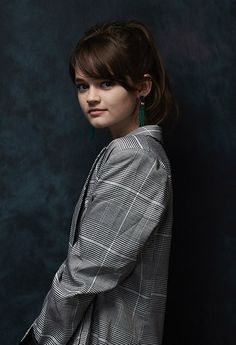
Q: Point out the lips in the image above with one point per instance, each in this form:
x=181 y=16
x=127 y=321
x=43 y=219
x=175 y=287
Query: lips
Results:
x=96 y=111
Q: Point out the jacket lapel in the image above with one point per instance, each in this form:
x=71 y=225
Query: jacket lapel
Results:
x=79 y=204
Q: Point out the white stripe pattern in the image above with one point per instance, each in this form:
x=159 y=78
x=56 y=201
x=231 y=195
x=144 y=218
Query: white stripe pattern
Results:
x=111 y=289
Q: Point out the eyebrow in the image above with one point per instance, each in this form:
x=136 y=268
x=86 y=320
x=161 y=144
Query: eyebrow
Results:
x=79 y=80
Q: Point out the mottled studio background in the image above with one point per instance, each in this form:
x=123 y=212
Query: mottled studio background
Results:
x=45 y=156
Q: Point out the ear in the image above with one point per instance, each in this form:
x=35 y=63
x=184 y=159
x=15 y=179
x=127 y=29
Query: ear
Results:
x=145 y=85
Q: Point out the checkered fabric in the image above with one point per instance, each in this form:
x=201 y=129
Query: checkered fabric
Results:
x=111 y=289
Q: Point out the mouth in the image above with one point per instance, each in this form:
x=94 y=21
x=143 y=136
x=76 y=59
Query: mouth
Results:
x=96 y=111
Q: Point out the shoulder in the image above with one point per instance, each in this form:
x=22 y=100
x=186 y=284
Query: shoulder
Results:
x=135 y=142
x=133 y=150
x=127 y=149
x=142 y=145
x=133 y=163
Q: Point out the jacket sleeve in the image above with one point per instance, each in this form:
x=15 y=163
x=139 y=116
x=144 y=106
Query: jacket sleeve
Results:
x=127 y=204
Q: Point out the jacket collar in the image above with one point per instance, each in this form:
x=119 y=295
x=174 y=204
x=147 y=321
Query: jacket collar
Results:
x=154 y=131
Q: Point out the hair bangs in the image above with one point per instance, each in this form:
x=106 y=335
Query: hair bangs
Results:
x=97 y=59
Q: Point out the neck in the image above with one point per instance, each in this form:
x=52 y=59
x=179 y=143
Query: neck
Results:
x=121 y=131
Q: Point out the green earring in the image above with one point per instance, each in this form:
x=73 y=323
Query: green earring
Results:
x=142 y=111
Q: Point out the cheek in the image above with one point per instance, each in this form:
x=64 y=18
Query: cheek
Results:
x=81 y=101
x=127 y=105
x=122 y=101
x=82 y=104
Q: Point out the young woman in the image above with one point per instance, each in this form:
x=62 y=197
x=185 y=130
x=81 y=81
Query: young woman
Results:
x=111 y=289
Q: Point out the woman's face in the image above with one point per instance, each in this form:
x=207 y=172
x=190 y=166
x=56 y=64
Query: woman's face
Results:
x=107 y=104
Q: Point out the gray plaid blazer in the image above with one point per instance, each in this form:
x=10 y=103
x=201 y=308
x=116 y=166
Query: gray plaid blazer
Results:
x=111 y=289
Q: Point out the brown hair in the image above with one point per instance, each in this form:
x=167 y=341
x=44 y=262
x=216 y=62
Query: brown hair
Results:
x=124 y=52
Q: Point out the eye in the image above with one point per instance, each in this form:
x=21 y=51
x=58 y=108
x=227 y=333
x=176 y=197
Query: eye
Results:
x=106 y=84
x=81 y=87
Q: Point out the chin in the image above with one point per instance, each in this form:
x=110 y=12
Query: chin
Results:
x=99 y=124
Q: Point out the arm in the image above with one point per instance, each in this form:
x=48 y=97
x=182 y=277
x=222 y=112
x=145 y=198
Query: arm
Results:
x=128 y=202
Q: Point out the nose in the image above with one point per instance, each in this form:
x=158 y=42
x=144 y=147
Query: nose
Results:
x=93 y=95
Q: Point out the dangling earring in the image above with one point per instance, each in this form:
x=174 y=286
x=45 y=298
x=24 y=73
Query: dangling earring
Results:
x=141 y=111
x=92 y=133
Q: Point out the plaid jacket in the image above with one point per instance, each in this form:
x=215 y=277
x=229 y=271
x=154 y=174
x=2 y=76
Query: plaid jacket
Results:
x=111 y=289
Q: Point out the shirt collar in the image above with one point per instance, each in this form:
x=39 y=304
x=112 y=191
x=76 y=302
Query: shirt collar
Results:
x=152 y=130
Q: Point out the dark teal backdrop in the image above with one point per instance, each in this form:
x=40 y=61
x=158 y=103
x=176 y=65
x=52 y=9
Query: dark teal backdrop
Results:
x=45 y=156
